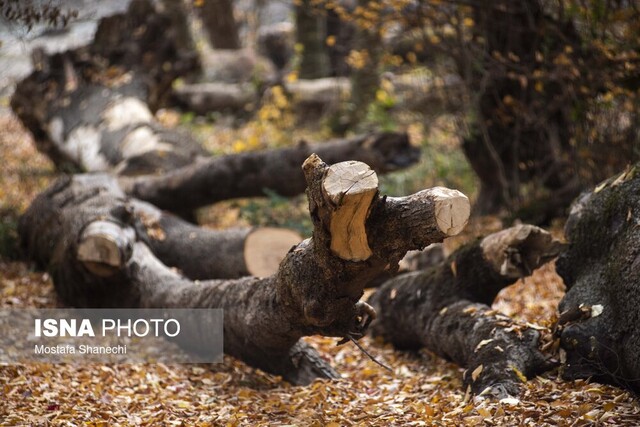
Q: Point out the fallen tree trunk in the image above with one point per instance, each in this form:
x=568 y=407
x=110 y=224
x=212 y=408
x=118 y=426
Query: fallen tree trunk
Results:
x=318 y=95
x=249 y=174
x=446 y=309
x=88 y=234
x=598 y=322
x=91 y=107
x=201 y=253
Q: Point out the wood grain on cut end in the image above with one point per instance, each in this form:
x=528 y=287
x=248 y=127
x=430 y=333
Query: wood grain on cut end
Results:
x=452 y=210
x=104 y=247
x=518 y=250
x=350 y=187
x=266 y=247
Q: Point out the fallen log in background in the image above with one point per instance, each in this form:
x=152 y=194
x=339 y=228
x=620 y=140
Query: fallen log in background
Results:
x=249 y=174
x=202 y=253
x=86 y=231
x=91 y=107
x=599 y=318
x=446 y=309
x=317 y=96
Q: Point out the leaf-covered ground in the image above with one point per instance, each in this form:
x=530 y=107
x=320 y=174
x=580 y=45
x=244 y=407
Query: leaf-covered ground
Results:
x=422 y=390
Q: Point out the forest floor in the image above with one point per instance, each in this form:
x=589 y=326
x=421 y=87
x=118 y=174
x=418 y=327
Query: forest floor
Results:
x=422 y=389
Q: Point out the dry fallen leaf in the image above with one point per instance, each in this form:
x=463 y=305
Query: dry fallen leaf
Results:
x=476 y=373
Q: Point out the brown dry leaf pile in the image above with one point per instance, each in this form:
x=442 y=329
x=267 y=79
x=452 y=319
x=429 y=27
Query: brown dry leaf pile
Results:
x=422 y=390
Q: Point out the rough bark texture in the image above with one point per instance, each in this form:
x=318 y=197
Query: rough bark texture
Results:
x=249 y=174
x=446 y=309
x=313 y=292
x=91 y=108
x=599 y=318
x=220 y=24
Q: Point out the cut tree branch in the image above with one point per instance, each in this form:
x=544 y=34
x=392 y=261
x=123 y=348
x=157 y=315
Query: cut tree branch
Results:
x=314 y=291
x=249 y=174
x=446 y=309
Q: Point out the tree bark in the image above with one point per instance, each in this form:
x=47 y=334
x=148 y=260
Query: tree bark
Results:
x=317 y=96
x=91 y=108
x=87 y=232
x=249 y=174
x=220 y=24
x=180 y=23
x=446 y=309
x=201 y=253
x=598 y=323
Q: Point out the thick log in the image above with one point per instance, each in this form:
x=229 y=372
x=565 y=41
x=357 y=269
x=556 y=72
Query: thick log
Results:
x=91 y=108
x=446 y=309
x=320 y=95
x=201 y=253
x=249 y=174
x=598 y=323
x=314 y=291
x=203 y=98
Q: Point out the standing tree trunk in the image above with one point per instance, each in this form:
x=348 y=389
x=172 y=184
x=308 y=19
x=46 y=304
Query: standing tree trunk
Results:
x=522 y=131
x=599 y=323
x=343 y=33
x=446 y=309
x=220 y=24
x=91 y=237
x=180 y=23
x=365 y=76
x=311 y=34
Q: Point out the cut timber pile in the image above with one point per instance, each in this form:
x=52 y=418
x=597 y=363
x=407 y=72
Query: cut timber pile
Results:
x=102 y=250
x=91 y=109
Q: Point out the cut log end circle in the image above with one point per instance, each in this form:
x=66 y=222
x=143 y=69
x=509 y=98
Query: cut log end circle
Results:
x=105 y=247
x=452 y=210
x=266 y=247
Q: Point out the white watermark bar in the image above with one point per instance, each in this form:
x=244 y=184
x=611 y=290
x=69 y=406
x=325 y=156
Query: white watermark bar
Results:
x=66 y=335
